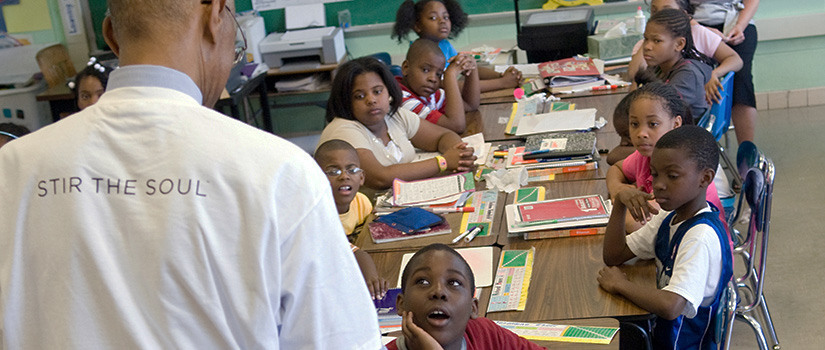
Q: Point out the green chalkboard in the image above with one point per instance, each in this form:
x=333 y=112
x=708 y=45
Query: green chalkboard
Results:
x=362 y=12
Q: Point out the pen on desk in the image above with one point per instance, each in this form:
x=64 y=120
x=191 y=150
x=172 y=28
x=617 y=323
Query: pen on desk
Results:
x=453 y=210
x=462 y=235
x=595 y=88
x=475 y=231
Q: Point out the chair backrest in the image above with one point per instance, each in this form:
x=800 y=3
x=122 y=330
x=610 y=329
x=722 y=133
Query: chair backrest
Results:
x=717 y=118
x=55 y=64
x=725 y=314
x=758 y=174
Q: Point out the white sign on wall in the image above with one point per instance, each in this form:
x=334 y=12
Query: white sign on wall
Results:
x=263 y=5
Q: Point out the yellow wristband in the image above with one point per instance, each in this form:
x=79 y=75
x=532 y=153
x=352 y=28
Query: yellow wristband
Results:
x=442 y=163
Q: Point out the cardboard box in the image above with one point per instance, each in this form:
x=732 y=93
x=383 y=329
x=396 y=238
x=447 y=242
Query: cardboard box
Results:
x=600 y=47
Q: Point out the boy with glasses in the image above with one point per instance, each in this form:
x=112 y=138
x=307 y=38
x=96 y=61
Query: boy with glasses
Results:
x=340 y=162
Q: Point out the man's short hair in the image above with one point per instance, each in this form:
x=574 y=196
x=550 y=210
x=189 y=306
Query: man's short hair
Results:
x=136 y=18
x=696 y=142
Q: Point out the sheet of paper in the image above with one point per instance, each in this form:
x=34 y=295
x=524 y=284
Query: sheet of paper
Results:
x=512 y=281
x=304 y=16
x=531 y=69
x=480 y=260
x=555 y=332
x=580 y=119
x=430 y=190
x=263 y=5
x=484 y=203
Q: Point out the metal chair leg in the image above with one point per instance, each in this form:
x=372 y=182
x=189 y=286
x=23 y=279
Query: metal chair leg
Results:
x=767 y=315
x=757 y=330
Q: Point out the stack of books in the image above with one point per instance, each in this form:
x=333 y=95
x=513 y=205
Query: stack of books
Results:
x=569 y=74
x=554 y=153
x=573 y=216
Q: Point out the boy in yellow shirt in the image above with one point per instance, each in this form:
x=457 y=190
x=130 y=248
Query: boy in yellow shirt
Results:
x=340 y=163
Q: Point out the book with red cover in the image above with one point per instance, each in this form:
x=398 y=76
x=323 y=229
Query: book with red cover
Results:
x=561 y=210
x=383 y=233
x=582 y=68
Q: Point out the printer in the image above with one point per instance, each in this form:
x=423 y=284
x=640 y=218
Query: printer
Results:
x=556 y=34
x=322 y=45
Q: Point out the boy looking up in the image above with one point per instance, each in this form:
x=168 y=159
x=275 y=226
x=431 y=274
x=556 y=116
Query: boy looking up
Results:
x=440 y=101
x=437 y=288
x=687 y=239
x=340 y=163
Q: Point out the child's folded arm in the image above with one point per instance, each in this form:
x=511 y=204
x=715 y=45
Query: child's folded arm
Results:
x=665 y=304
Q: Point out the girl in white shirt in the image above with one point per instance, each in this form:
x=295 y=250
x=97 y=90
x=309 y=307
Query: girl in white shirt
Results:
x=363 y=110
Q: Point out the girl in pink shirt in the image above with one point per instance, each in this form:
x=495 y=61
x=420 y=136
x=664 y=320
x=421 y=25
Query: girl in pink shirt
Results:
x=655 y=108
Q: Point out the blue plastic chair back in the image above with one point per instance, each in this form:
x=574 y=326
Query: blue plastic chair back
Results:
x=717 y=119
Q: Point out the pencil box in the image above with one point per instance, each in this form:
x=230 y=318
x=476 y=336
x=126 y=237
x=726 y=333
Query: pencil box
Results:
x=409 y=220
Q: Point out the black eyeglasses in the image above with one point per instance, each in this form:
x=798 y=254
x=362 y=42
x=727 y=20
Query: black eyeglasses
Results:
x=335 y=172
x=240 y=44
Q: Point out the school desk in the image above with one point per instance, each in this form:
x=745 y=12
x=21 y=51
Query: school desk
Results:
x=365 y=242
x=492 y=118
x=388 y=265
x=564 y=286
x=241 y=95
x=61 y=101
x=554 y=190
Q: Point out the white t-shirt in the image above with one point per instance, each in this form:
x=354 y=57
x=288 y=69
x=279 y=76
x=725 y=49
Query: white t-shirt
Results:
x=705 y=40
x=401 y=126
x=149 y=221
x=697 y=266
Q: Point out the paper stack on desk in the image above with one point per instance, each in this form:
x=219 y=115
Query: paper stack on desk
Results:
x=309 y=83
x=563 y=213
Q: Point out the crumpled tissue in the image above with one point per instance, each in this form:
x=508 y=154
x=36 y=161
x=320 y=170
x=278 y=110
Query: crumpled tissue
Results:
x=507 y=180
x=617 y=31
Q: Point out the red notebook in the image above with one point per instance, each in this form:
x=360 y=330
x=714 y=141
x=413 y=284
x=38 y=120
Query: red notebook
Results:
x=561 y=210
x=573 y=66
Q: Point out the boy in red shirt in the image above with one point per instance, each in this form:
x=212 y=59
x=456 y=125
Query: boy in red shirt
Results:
x=437 y=289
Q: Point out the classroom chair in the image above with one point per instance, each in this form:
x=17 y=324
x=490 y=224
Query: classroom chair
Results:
x=386 y=59
x=757 y=172
x=725 y=316
x=717 y=121
x=55 y=64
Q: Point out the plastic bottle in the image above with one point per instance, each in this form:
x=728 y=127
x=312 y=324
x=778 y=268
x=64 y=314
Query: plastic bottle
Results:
x=640 y=20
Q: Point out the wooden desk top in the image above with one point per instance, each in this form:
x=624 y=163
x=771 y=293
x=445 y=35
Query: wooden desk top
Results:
x=365 y=242
x=493 y=118
x=56 y=93
x=554 y=190
x=388 y=265
x=564 y=286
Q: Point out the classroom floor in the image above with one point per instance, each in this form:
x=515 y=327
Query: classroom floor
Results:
x=794 y=280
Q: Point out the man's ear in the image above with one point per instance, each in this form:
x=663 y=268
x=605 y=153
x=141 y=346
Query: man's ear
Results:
x=399 y=304
x=474 y=311
x=109 y=36
x=214 y=20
